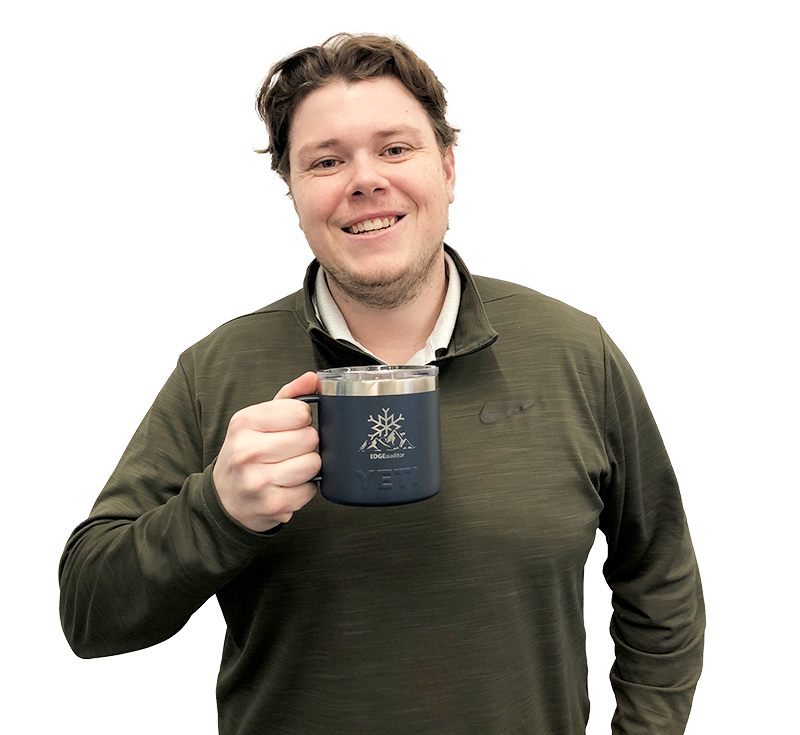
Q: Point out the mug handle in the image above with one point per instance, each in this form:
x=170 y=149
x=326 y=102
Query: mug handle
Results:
x=310 y=398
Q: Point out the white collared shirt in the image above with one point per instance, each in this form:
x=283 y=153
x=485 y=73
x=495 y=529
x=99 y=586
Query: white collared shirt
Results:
x=332 y=319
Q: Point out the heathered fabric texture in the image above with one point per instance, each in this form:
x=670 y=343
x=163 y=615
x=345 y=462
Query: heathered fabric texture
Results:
x=460 y=614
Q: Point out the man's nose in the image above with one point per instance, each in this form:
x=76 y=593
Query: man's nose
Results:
x=367 y=177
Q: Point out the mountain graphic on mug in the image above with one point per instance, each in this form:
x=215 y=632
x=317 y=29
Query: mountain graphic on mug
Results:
x=385 y=434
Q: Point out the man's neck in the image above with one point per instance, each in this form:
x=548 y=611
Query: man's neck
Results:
x=395 y=335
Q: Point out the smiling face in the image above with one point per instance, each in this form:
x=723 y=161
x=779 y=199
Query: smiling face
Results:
x=371 y=188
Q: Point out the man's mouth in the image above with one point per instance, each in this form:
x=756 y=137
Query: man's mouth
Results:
x=370 y=225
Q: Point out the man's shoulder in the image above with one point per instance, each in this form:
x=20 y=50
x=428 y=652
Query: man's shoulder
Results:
x=512 y=301
x=289 y=304
x=280 y=319
x=530 y=323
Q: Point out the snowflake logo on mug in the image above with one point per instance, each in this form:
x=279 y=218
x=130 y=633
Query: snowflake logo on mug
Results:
x=385 y=435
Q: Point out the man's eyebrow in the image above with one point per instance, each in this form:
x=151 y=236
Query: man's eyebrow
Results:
x=402 y=130
x=315 y=147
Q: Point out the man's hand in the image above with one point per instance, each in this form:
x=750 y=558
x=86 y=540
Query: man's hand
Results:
x=267 y=459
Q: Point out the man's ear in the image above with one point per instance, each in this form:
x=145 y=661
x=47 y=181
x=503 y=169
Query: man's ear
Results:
x=449 y=164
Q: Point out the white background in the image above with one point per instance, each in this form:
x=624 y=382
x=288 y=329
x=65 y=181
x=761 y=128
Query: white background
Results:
x=637 y=160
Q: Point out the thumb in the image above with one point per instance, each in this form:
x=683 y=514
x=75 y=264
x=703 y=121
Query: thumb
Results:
x=305 y=384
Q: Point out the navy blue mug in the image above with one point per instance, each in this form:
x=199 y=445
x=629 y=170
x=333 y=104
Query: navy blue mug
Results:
x=379 y=434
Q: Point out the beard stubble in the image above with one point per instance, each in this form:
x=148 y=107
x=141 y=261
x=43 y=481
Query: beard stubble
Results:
x=387 y=292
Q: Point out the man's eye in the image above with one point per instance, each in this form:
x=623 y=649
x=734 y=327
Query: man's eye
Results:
x=396 y=150
x=325 y=163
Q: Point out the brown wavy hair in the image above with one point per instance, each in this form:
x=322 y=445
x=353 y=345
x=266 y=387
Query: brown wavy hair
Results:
x=349 y=58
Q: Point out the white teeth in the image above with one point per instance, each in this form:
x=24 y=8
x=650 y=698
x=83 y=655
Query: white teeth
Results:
x=369 y=225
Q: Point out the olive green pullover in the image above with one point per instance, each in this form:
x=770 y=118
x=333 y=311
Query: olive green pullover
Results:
x=460 y=614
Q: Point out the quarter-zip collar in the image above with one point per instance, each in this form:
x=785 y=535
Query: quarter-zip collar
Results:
x=472 y=332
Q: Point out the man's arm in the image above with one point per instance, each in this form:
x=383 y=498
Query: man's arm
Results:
x=160 y=539
x=658 y=617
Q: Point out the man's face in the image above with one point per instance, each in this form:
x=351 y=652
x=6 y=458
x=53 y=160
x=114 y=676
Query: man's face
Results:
x=370 y=187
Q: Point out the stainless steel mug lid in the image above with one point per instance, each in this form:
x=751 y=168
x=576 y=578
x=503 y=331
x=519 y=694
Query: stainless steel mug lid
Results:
x=377 y=380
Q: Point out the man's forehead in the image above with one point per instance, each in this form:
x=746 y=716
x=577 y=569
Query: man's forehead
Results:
x=374 y=108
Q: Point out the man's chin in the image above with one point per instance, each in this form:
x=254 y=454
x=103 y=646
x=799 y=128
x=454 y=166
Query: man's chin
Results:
x=386 y=285
x=376 y=290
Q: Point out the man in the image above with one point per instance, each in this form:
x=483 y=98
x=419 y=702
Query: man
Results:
x=460 y=614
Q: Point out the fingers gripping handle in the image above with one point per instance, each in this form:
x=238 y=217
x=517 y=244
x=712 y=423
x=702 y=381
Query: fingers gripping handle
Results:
x=311 y=398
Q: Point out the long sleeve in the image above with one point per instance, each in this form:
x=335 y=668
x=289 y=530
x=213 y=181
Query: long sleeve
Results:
x=658 y=616
x=157 y=543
